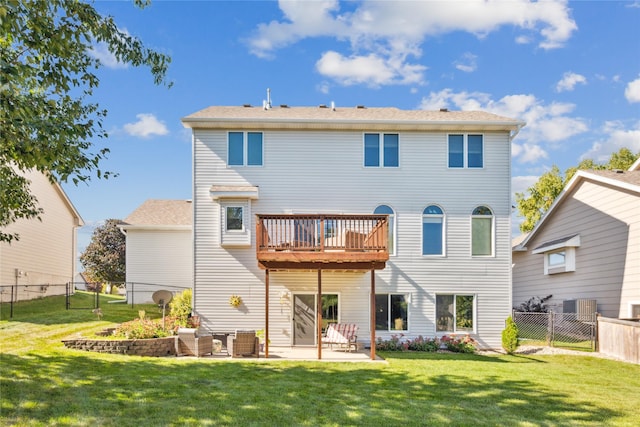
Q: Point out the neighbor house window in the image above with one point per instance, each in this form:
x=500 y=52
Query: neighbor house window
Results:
x=482 y=231
x=466 y=151
x=559 y=254
x=386 y=210
x=455 y=313
x=432 y=231
x=392 y=312
x=381 y=154
x=245 y=149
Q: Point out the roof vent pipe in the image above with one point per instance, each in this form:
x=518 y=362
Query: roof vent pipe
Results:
x=333 y=106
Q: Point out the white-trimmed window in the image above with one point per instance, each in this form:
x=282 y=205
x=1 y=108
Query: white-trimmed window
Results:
x=455 y=313
x=433 y=234
x=482 y=231
x=244 y=149
x=466 y=151
x=235 y=223
x=559 y=254
x=392 y=312
x=381 y=150
x=386 y=210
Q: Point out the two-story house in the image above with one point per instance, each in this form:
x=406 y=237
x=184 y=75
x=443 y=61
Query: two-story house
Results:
x=397 y=221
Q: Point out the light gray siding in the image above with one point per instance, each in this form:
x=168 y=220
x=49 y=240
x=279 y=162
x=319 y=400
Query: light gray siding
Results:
x=608 y=260
x=323 y=172
x=46 y=252
x=158 y=259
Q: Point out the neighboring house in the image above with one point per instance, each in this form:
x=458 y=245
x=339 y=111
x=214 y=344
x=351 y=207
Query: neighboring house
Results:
x=586 y=247
x=159 y=254
x=397 y=221
x=43 y=260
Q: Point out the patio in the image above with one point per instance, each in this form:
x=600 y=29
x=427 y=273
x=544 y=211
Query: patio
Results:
x=303 y=354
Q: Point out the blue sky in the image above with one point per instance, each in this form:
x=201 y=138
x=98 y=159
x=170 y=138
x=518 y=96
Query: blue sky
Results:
x=571 y=70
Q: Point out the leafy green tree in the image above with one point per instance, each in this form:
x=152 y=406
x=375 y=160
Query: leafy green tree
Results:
x=541 y=195
x=105 y=256
x=48 y=121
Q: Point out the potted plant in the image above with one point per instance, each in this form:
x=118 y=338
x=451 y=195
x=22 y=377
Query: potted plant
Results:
x=261 y=334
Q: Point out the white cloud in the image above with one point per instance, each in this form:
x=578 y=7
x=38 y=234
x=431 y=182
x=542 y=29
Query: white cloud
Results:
x=569 y=81
x=101 y=52
x=545 y=123
x=372 y=70
x=520 y=184
x=386 y=34
x=146 y=126
x=632 y=92
x=468 y=63
x=616 y=137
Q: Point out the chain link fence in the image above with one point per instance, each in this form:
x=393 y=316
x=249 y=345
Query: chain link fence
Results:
x=569 y=330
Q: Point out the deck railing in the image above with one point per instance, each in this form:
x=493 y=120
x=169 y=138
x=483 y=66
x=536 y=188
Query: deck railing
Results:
x=322 y=233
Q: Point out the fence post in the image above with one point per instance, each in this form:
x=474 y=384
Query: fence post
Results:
x=596 y=343
x=550 y=336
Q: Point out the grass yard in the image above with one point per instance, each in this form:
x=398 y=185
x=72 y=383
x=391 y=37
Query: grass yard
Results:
x=42 y=383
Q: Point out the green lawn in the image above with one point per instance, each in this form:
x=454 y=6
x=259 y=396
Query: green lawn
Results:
x=42 y=383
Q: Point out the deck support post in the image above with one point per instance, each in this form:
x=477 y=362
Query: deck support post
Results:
x=319 y=315
x=372 y=311
x=266 y=314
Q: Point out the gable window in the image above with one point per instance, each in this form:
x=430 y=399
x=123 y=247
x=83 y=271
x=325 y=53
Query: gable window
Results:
x=245 y=149
x=559 y=254
x=385 y=154
x=386 y=210
x=432 y=231
x=466 y=151
x=482 y=232
x=455 y=313
x=392 y=312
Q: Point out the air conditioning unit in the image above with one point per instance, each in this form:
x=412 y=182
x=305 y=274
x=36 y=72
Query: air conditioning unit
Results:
x=584 y=308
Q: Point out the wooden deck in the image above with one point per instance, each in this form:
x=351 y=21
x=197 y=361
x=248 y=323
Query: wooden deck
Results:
x=344 y=242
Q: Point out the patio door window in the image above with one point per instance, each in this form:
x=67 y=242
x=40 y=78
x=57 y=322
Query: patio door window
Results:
x=304 y=316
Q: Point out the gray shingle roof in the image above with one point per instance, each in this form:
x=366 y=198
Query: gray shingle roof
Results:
x=154 y=212
x=629 y=177
x=347 y=117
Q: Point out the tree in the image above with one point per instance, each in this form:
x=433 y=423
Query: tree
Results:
x=104 y=258
x=47 y=77
x=542 y=194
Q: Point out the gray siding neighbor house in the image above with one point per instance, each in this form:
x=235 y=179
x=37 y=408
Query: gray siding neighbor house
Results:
x=586 y=247
x=159 y=248
x=43 y=261
x=395 y=221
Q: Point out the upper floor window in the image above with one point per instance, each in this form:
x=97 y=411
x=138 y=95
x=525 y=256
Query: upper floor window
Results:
x=385 y=154
x=245 y=149
x=432 y=231
x=466 y=151
x=482 y=231
x=386 y=210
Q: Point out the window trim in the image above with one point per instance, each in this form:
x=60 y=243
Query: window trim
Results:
x=407 y=297
x=474 y=313
x=392 y=229
x=443 y=216
x=465 y=150
x=238 y=238
x=492 y=237
x=381 y=150
x=245 y=149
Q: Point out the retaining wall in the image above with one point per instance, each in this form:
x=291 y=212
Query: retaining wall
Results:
x=155 y=347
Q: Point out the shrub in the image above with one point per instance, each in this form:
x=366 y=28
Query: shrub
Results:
x=534 y=305
x=424 y=344
x=455 y=344
x=180 y=307
x=510 y=336
x=393 y=344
